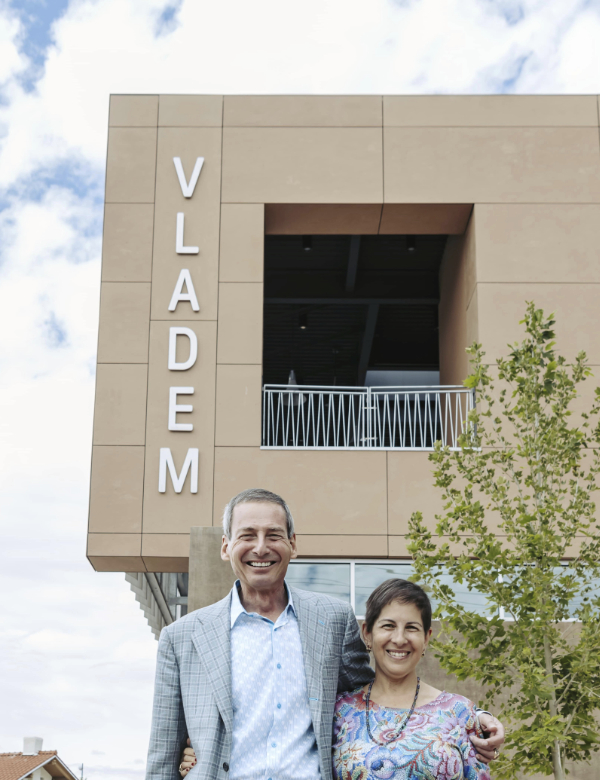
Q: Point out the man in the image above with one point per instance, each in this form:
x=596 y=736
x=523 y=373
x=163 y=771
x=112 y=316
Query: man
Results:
x=252 y=679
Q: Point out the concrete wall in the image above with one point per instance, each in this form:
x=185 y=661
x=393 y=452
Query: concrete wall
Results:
x=515 y=180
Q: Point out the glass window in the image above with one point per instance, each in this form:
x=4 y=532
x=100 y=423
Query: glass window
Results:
x=577 y=602
x=340 y=579
x=330 y=578
x=469 y=599
x=369 y=575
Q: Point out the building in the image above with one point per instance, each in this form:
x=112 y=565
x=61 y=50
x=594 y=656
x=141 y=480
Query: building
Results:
x=288 y=288
x=33 y=763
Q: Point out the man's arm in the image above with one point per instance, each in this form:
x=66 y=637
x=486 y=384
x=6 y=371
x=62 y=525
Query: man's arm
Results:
x=169 y=731
x=354 y=666
x=489 y=747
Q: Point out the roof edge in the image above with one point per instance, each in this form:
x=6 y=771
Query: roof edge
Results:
x=53 y=757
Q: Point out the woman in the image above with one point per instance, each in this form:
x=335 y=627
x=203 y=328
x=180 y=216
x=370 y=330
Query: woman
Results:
x=398 y=727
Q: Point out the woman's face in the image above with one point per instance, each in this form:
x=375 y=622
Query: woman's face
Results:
x=398 y=639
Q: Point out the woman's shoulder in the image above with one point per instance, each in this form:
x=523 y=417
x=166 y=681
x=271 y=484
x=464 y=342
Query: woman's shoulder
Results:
x=350 y=700
x=452 y=701
x=456 y=707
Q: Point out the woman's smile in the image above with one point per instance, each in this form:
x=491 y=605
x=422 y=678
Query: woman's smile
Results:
x=398 y=654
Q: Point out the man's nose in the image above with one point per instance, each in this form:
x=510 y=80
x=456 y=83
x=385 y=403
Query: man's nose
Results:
x=260 y=545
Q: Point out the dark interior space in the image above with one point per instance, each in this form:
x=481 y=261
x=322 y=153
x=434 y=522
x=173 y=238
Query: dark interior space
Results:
x=338 y=306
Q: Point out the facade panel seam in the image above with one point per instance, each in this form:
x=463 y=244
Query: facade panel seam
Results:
x=214 y=460
x=382 y=167
x=598 y=114
x=149 y=329
x=183 y=319
x=540 y=281
x=491 y=127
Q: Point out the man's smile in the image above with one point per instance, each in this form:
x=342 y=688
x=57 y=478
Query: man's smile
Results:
x=261 y=564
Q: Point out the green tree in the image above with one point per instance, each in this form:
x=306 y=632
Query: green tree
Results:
x=519 y=527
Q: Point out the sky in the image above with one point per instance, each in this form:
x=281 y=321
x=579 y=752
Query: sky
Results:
x=76 y=655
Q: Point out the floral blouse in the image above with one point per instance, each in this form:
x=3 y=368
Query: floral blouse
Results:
x=434 y=745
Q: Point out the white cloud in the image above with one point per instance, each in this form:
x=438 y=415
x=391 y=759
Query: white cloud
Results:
x=578 y=60
x=77 y=656
x=11 y=61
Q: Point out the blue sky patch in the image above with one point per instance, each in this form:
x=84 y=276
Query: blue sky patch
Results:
x=167 y=21
x=55 y=331
x=37 y=18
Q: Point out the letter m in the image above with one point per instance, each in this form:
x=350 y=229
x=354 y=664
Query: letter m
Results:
x=189 y=464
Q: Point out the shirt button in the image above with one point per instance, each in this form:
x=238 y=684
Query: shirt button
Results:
x=226 y=766
x=279 y=667
x=273 y=744
x=279 y=706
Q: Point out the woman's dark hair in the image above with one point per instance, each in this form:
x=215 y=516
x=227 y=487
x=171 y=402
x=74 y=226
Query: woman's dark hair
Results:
x=398 y=590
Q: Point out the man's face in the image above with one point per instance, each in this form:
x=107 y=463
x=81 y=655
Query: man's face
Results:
x=259 y=549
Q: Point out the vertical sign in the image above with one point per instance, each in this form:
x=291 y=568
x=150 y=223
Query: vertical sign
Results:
x=178 y=480
x=166 y=463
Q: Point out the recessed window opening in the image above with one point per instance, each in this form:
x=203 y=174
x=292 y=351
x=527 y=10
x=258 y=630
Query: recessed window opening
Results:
x=354 y=581
x=352 y=310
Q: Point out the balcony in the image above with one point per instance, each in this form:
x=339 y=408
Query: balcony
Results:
x=364 y=418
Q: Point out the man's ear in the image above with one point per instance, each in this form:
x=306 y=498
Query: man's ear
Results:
x=293 y=546
x=225 y=549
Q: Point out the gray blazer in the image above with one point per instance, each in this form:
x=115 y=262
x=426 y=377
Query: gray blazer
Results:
x=192 y=694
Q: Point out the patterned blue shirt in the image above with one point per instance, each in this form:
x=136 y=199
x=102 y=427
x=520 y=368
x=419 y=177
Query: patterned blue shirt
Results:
x=273 y=737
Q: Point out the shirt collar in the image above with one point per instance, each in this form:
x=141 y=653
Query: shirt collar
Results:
x=236 y=605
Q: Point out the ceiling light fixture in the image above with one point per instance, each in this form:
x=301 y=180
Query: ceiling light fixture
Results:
x=303 y=320
x=411 y=243
x=307 y=243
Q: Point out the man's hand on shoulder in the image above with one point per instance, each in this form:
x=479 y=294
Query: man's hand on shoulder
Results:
x=488 y=748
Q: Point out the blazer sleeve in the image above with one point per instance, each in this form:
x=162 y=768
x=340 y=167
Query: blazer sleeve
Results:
x=169 y=732
x=354 y=667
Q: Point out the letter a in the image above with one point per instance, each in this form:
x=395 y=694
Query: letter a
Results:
x=188 y=189
x=178 y=295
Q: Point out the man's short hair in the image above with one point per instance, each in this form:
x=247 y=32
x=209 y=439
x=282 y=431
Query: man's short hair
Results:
x=256 y=495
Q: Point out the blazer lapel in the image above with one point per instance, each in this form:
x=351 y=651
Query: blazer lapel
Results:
x=314 y=633
x=212 y=640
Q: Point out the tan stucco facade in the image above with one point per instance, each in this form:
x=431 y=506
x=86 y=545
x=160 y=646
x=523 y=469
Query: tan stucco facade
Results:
x=514 y=182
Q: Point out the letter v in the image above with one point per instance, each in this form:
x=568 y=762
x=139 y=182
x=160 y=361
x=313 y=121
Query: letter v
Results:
x=188 y=189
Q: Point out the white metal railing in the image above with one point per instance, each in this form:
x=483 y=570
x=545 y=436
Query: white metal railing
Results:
x=364 y=418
